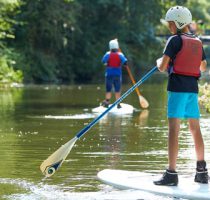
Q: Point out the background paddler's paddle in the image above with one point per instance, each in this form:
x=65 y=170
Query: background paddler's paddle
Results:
x=143 y=102
x=54 y=161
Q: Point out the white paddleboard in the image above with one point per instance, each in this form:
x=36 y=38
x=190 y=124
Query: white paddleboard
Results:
x=125 y=109
x=186 y=188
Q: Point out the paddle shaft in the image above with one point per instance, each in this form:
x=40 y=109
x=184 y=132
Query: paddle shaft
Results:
x=132 y=79
x=145 y=77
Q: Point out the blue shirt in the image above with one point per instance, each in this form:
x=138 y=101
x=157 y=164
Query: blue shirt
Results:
x=113 y=71
x=176 y=82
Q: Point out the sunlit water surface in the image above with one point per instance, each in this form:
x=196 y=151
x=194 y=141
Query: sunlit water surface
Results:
x=36 y=120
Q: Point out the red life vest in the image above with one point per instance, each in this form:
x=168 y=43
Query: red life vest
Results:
x=188 y=60
x=114 y=60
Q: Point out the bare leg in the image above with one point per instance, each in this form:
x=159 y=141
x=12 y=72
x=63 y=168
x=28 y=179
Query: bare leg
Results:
x=194 y=127
x=170 y=177
x=108 y=95
x=173 y=143
x=117 y=95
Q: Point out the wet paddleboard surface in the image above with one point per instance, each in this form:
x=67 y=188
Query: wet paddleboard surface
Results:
x=125 y=109
x=186 y=188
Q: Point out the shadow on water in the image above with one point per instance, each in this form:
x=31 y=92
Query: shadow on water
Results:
x=37 y=120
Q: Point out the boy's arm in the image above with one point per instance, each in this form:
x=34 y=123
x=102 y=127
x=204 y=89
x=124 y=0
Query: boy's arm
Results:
x=162 y=63
x=123 y=59
x=105 y=58
x=203 y=66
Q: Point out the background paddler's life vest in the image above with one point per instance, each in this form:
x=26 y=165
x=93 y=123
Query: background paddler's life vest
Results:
x=188 y=59
x=114 y=60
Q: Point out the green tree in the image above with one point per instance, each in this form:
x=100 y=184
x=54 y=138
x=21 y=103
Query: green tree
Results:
x=7 y=62
x=64 y=40
x=42 y=38
x=132 y=22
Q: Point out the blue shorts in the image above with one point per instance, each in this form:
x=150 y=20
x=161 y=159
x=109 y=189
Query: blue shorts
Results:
x=183 y=105
x=113 y=80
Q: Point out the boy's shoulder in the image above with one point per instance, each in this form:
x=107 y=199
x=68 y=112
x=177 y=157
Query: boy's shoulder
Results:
x=107 y=53
x=178 y=37
x=174 y=38
x=174 y=41
x=120 y=53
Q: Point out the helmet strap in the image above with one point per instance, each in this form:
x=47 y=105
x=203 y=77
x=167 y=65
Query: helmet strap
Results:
x=178 y=31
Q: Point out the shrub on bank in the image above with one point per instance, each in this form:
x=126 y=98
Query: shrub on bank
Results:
x=8 y=75
x=204 y=98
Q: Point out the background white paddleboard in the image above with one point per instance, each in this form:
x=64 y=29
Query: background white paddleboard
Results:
x=125 y=109
x=186 y=188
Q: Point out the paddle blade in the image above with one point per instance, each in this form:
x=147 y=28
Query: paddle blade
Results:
x=54 y=161
x=143 y=102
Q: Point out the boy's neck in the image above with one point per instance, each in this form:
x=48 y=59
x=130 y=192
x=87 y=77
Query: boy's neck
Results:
x=185 y=30
x=114 y=50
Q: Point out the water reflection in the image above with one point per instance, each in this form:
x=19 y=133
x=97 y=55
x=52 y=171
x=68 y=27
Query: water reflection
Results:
x=122 y=138
x=9 y=139
x=8 y=101
x=143 y=118
x=35 y=121
x=113 y=132
x=76 y=116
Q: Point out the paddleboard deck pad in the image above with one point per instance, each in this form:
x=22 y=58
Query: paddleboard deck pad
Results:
x=125 y=109
x=186 y=188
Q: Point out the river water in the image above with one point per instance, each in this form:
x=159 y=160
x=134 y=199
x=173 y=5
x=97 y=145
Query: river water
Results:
x=37 y=120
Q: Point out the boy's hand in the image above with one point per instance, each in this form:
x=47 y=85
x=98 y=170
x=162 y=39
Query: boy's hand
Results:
x=162 y=63
x=159 y=61
x=125 y=64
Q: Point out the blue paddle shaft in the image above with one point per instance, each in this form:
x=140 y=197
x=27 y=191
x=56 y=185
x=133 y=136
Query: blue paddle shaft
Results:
x=144 y=78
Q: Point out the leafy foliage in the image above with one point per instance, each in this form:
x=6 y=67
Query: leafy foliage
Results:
x=58 y=41
x=205 y=96
x=65 y=40
x=7 y=72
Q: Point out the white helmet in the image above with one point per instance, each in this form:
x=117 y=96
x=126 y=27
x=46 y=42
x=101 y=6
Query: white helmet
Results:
x=180 y=15
x=113 y=44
